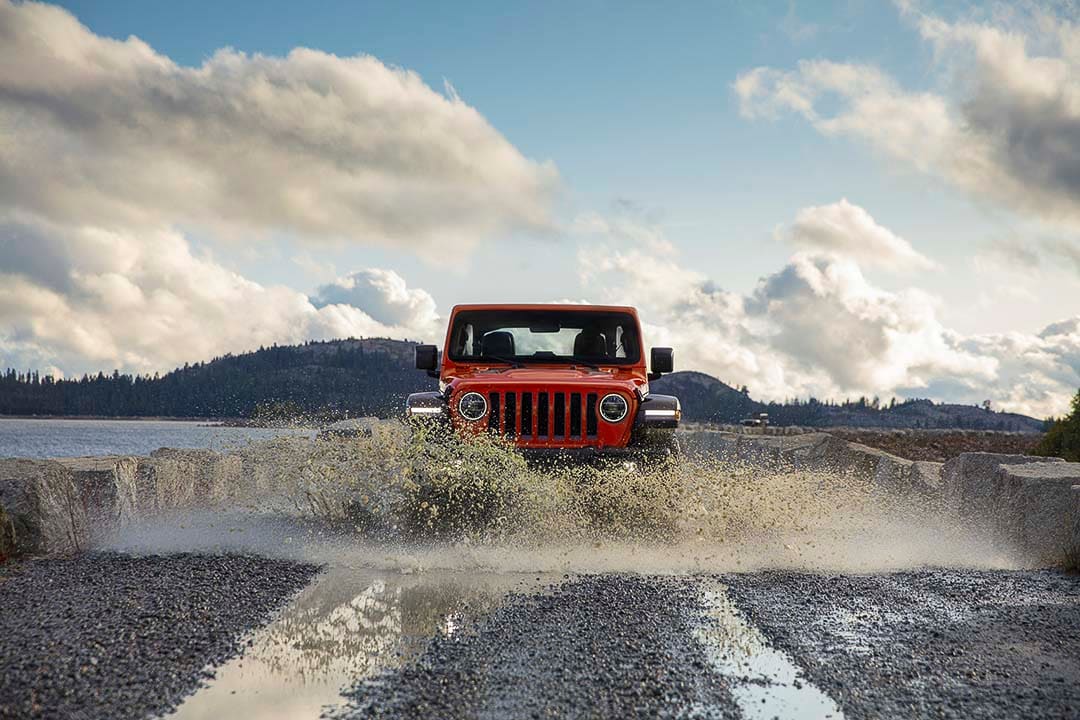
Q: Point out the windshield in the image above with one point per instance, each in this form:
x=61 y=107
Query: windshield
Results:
x=587 y=337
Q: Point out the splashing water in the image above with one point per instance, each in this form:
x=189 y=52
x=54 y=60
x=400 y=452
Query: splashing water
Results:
x=410 y=501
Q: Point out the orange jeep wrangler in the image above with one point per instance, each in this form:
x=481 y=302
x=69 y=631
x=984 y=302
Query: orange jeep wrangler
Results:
x=556 y=379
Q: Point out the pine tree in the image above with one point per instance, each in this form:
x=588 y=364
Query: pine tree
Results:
x=1063 y=438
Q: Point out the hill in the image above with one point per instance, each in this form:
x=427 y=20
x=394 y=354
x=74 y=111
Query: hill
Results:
x=372 y=376
x=331 y=379
x=706 y=399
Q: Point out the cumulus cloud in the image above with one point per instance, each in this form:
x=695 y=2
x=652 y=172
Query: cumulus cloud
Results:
x=819 y=327
x=384 y=295
x=107 y=148
x=149 y=302
x=847 y=230
x=1011 y=133
x=114 y=134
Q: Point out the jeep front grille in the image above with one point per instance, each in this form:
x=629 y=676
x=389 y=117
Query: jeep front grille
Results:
x=543 y=415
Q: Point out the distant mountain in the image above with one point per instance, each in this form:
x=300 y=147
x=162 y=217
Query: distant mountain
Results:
x=329 y=379
x=372 y=376
x=706 y=399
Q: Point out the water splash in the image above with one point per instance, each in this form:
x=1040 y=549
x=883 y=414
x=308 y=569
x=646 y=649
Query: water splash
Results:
x=410 y=502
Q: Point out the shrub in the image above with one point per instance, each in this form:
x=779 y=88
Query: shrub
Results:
x=1063 y=438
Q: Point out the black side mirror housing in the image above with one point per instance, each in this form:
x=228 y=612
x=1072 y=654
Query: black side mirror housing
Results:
x=427 y=358
x=662 y=361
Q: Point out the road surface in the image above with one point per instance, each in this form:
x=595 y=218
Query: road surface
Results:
x=120 y=636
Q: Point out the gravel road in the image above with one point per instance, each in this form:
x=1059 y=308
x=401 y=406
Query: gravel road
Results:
x=607 y=647
x=931 y=644
x=110 y=635
x=935 y=643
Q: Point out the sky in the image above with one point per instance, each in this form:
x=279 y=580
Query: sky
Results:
x=811 y=199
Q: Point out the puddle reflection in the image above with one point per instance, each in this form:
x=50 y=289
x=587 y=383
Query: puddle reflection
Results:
x=765 y=682
x=349 y=625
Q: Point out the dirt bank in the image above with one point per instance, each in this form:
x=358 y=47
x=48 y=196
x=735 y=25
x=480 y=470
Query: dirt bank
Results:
x=939 y=445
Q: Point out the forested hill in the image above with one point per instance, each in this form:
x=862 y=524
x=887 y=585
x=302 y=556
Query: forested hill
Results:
x=322 y=379
x=372 y=377
x=706 y=399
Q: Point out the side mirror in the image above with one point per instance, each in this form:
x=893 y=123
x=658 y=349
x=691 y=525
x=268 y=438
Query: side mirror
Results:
x=662 y=360
x=427 y=358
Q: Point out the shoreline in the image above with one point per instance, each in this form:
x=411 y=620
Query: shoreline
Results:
x=127 y=418
x=202 y=421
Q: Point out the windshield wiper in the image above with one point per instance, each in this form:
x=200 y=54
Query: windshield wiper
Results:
x=499 y=358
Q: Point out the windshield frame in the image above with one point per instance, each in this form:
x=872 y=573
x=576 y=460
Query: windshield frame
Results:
x=625 y=318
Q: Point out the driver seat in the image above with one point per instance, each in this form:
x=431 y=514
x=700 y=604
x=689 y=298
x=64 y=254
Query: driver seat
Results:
x=590 y=343
x=497 y=343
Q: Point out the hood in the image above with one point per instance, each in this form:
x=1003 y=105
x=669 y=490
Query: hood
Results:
x=548 y=375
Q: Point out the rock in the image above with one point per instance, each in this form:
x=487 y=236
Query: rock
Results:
x=814 y=451
x=970 y=485
x=7 y=536
x=926 y=478
x=1042 y=516
x=44 y=510
x=106 y=487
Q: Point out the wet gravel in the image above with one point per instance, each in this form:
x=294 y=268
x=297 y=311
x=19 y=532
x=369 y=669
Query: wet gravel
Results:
x=111 y=635
x=609 y=646
x=928 y=644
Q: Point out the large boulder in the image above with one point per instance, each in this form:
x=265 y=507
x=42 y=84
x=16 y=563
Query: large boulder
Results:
x=1042 y=510
x=7 y=536
x=926 y=478
x=106 y=487
x=43 y=509
x=816 y=451
x=971 y=485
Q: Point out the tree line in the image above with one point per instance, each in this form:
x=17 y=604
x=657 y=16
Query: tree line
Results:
x=324 y=380
x=331 y=379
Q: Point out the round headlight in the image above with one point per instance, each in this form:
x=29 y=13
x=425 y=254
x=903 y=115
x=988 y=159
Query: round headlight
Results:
x=613 y=407
x=472 y=406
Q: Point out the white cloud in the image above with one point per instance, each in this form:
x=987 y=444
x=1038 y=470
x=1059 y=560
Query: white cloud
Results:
x=112 y=134
x=148 y=303
x=384 y=295
x=1010 y=134
x=819 y=327
x=848 y=231
x=108 y=147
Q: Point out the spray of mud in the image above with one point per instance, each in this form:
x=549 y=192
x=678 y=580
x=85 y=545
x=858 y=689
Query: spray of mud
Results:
x=408 y=501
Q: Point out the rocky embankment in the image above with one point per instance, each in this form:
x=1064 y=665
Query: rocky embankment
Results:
x=1028 y=504
x=69 y=504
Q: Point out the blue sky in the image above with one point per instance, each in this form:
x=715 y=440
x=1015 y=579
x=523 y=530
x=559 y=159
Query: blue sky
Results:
x=634 y=108
x=631 y=101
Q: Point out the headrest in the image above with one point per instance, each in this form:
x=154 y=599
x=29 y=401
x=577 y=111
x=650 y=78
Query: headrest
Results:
x=498 y=343
x=590 y=343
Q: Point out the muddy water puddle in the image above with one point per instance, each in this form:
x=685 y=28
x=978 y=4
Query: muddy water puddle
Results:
x=351 y=624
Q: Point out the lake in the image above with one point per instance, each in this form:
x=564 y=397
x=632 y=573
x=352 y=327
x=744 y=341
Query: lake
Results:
x=40 y=438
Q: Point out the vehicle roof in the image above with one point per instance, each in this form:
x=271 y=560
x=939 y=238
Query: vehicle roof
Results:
x=545 y=306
